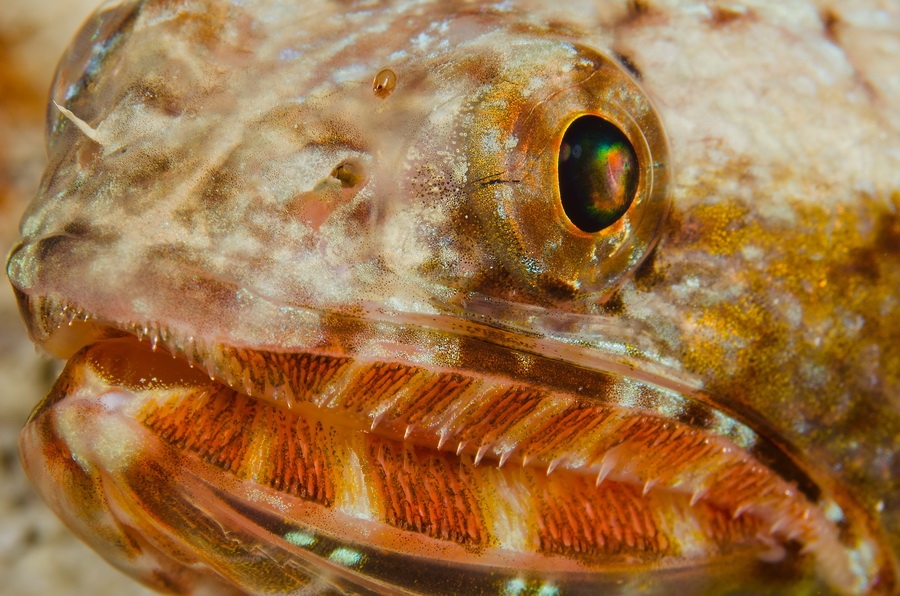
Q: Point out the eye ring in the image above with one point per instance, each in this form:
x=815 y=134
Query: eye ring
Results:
x=598 y=170
x=551 y=239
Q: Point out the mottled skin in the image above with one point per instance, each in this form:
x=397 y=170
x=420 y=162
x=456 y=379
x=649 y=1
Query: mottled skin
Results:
x=208 y=206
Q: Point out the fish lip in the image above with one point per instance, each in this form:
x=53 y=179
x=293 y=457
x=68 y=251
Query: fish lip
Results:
x=52 y=323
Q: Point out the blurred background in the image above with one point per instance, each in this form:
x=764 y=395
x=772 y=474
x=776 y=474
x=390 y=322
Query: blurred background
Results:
x=38 y=555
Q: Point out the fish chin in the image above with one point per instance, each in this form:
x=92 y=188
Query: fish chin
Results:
x=195 y=466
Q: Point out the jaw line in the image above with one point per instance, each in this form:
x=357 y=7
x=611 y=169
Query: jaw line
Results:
x=69 y=328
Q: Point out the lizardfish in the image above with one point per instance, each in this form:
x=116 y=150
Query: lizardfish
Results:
x=473 y=297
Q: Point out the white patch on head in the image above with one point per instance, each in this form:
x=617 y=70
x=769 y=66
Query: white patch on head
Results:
x=491 y=142
x=422 y=42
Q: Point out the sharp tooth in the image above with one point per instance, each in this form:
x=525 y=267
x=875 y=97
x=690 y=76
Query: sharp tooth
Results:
x=698 y=494
x=377 y=420
x=503 y=457
x=553 y=465
x=607 y=464
x=740 y=510
x=408 y=431
x=210 y=368
x=289 y=398
x=459 y=447
x=481 y=452
x=780 y=523
x=605 y=468
x=444 y=435
x=649 y=485
x=245 y=377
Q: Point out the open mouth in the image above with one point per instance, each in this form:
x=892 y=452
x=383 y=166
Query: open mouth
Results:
x=329 y=461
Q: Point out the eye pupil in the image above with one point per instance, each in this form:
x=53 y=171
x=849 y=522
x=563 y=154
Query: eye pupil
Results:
x=598 y=173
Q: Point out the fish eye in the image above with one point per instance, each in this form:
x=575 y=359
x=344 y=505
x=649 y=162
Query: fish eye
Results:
x=574 y=173
x=598 y=173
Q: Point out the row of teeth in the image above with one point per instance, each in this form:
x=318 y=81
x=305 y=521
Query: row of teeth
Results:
x=611 y=467
x=194 y=351
x=197 y=354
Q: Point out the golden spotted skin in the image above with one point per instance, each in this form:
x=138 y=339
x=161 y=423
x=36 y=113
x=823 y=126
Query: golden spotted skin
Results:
x=238 y=189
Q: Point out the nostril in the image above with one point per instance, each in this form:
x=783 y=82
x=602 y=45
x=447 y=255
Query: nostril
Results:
x=47 y=246
x=350 y=173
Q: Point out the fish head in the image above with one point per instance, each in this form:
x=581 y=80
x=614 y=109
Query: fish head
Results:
x=631 y=307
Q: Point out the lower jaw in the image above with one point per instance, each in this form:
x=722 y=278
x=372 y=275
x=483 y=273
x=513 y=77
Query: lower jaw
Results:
x=392 y=476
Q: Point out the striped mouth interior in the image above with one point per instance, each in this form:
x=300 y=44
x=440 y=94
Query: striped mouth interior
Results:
x=392 y=458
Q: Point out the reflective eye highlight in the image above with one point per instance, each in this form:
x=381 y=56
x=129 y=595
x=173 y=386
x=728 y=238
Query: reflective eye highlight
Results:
x=598 y=173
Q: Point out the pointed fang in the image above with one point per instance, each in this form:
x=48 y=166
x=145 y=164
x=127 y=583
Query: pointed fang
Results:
x=740 y=510
x=779 y=524
x=698 y=494
x=443 y=439
x=605 y=469
x=481 y=453
x=607 y=465
x=553 y=465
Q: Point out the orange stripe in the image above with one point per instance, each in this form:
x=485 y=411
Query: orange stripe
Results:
x=560 y=433
x=576 y=518
x=376 y=383
x=502 y=410
x=221 y=428
x=432 y=399
x=427 y=491
x=309 y=374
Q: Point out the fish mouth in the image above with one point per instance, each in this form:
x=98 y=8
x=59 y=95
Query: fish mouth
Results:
x=485 y=455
